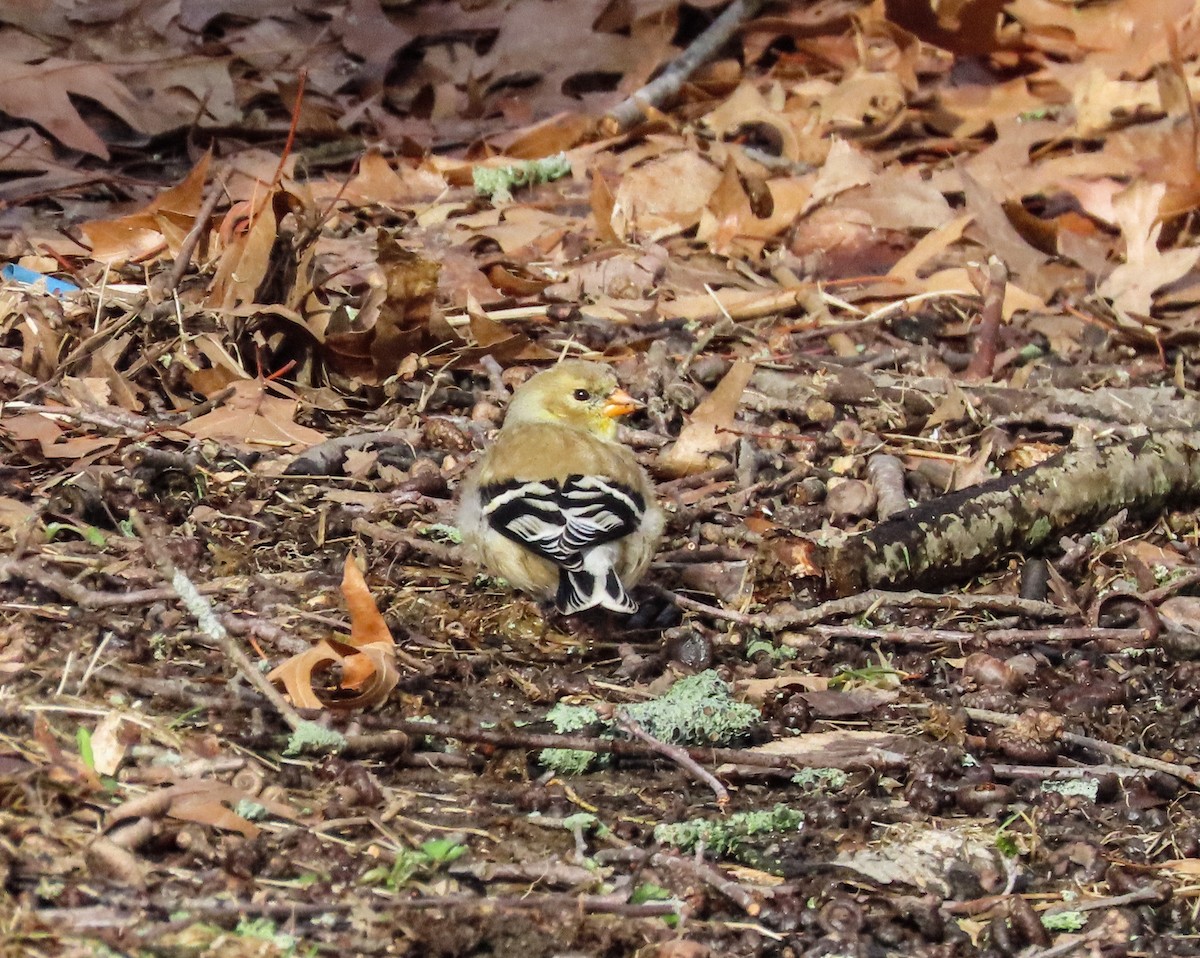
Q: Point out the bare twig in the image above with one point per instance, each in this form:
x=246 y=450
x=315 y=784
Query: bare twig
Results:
x=206 y=618
x=868 y=602
x=740 y=895
x=199 y=227
x=1132 y=638
x=1188 y=579
x=677 y=755
x=992 y=286
x=1053 y=773
x=1116 y=752
x=1068 y=946
x=530 y=740
x=201 y=408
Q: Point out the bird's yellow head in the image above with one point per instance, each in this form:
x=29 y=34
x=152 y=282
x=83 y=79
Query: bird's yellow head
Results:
x=574 y=393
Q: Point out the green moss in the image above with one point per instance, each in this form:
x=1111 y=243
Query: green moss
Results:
x=1064 y=921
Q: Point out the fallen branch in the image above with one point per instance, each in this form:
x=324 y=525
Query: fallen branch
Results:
x=659 y=91
x=201 y=226
x=532 y=741
x=987 y=334
x=956 y=535
x=989 y=638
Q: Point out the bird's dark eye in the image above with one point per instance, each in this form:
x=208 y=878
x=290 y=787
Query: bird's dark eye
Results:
x=582 y=395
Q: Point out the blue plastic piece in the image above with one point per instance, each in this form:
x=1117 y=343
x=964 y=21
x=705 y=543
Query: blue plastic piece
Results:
x=19 y=274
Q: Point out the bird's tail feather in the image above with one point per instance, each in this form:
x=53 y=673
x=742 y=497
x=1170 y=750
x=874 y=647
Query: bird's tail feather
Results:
x=579 y=590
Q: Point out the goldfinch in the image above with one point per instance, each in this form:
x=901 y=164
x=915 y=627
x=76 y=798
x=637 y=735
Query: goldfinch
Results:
x=558 y=506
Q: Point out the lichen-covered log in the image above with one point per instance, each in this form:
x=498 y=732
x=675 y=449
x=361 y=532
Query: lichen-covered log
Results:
x=961 y=533
x=918 y=396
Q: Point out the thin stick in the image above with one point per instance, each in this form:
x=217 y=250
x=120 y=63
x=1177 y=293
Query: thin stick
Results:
x=621 y=747
x=992 y=286
x=868 y=602
x=188 y=246
x=1117 y=752
x=206 y=618
x=32 y=570
x=1133 y=638
x=676 y=755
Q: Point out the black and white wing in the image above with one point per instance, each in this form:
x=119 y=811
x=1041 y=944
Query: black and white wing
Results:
x=574 y=525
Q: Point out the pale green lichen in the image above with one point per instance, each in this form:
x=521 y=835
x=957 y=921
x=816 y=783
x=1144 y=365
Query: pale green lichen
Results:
x=697 y=710
x=1064 y=921
x=820 y=780
x=1073 y=787
x=571 y=761
x=440 y=532
x=498 y=182
x=311 y=738
x=724 y=837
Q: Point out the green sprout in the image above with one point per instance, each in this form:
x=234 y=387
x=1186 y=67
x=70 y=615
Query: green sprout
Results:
x=431 y=856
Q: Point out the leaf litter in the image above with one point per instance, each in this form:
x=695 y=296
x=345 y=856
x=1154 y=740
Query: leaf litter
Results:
x=307 y=254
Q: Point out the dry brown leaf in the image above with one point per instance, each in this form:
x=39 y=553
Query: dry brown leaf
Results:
x=703 y=435
x=253 y=417
x=52 y=437
x=378 y=182
x=246 y=259
x=1131 y=285
x=727 y=222
x=108 y=748
x=862 y=102
x=1023 y=261
x=203 y=801
x=16 y=519
x=554 y=45
x=1122 y=39
x=408 y=322
x=664 y=196
x=42 y=92
x=842 y=749
x=845 y=168
x=162 y=224
x=367 y=658
x=760 y=691
x=961 y=26
x=1181 y=866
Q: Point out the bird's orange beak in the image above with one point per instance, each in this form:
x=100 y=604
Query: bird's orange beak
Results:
x=619 y=403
